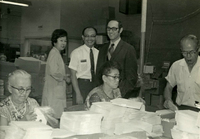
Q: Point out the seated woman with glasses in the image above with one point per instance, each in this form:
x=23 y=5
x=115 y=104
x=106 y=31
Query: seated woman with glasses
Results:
x=108 y=90
x=18 y=106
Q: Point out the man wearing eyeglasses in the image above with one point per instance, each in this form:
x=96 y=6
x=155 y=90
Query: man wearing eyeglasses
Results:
x=83 y=66
x=185 y=73
x=123 y=53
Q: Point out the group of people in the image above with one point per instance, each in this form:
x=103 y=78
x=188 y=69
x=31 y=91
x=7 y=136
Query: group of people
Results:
x=86 y=62
x=98 y=75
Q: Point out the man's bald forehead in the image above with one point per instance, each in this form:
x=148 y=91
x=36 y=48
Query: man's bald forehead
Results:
x=189 y=40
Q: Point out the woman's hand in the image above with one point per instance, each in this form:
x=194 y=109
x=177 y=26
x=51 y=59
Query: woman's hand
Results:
x=30 y=116
x=67 y=78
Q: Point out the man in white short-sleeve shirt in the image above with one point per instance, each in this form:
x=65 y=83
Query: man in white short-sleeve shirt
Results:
x=185 y=73
x=80 y=66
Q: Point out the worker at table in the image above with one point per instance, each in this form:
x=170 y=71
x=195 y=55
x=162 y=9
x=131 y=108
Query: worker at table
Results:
x=185 y=73
x=18 y=106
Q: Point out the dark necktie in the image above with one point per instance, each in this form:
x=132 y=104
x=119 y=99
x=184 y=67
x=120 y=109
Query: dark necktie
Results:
x=111 y=49
x=92 y=64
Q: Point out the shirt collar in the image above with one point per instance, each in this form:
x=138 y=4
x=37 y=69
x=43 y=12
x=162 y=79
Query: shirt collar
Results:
x=116 y=42
x=183 y=63
x=88 y=48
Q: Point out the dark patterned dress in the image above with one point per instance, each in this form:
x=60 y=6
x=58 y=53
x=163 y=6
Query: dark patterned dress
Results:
x=98 y=95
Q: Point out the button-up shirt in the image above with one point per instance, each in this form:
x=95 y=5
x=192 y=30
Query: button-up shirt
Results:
x=80 y=61
x=188 y=83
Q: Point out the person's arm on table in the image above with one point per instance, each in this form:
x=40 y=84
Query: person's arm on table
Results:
x=168 y=98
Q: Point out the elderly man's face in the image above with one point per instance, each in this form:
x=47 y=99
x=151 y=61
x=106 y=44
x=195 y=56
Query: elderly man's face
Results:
x=189 y=51
x=20 y=89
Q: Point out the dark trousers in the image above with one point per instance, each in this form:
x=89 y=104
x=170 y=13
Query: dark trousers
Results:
x=85 y=86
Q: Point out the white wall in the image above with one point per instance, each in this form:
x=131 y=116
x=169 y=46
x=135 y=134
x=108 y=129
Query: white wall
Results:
x=40 y=19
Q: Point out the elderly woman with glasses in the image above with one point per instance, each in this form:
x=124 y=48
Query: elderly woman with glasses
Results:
x=108 y=90
x=18 y=106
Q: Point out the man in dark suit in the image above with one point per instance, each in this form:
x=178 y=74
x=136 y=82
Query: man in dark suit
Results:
x=124 y=54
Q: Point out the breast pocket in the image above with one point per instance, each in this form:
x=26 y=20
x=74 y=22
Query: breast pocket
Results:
x=180 y=86
x=83 y=65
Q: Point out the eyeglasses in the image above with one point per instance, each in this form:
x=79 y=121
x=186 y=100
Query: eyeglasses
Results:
x=22 y=90
x=189 y=53
x=87 y=36
x=113 y=29
x=114 y=77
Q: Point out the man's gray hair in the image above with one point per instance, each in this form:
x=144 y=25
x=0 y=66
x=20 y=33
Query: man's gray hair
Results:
x=190 y=37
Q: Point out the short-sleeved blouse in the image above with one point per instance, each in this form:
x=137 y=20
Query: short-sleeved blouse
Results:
x=98 y=95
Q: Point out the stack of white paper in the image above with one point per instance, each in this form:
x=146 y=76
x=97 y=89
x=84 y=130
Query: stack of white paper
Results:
x=120 y=119
x=145 y=119
x=112 y=114
x=198 y=120
x=130 y=103
x=166 y=113
x=178 y=134
x=119 y=137
x=108 y=110
x=81 y=122
x=61 y=133
x=186 y=121
x=33 y=130
x=11 y=132
x=138 y=125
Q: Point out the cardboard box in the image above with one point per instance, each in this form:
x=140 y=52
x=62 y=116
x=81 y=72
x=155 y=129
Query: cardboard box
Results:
x=30 y=64
x=166 y=114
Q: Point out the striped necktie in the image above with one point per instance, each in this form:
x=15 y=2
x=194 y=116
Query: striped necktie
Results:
x=111 y=49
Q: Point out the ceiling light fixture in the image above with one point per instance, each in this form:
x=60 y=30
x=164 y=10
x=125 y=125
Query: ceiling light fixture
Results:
x=17 y=2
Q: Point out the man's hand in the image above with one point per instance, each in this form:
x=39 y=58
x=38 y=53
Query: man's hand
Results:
x=141 y=100
x=170 y=105
x=79 y=99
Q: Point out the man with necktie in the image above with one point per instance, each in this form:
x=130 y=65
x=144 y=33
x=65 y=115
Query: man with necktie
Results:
x=83 y=66
x=124 y=54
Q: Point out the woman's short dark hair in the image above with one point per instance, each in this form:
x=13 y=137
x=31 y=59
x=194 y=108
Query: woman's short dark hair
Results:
x=57 y=34
x=106 y=68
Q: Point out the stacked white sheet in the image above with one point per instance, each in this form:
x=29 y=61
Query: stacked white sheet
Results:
x=124 y=116
x=32 y=129
x=186 y=121
x=178 y=134
x=186 y=125
x=81 y=122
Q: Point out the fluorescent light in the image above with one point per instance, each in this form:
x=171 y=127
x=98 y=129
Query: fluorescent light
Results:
x=14 y=2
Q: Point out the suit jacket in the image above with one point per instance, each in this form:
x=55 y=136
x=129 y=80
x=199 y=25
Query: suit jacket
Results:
x=125 y=56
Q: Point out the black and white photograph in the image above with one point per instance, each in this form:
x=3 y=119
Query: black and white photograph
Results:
x=99 y=69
